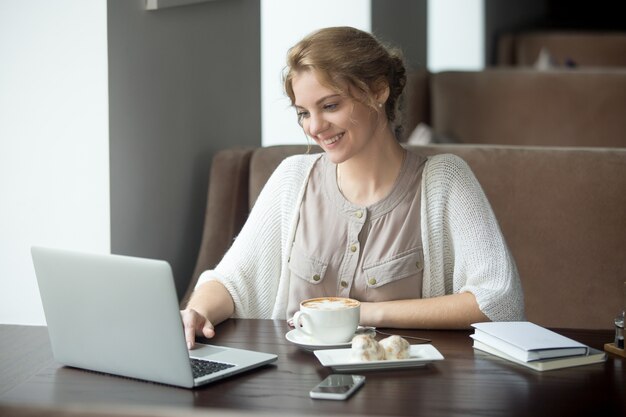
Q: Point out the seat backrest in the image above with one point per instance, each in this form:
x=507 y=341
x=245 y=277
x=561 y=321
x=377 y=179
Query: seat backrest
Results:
x=415 y=106
x=561 y=210
x=579 y=49
x=524 y=107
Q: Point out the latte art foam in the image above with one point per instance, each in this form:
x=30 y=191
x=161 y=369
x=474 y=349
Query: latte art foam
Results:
x=330 y=303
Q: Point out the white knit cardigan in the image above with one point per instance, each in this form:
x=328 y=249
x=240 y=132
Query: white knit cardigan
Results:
x=464 y=250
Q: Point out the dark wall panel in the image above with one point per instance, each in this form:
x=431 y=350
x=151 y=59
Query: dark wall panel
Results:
x=184 y=82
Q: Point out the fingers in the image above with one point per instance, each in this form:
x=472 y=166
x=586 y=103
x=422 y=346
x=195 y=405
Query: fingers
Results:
x=208 y=330
x=189 y=317
x=194 y=324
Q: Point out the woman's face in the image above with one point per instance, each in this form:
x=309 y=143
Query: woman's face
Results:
x=341 y=125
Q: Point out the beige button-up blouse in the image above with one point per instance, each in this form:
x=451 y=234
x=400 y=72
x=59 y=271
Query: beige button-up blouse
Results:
x=369 y=253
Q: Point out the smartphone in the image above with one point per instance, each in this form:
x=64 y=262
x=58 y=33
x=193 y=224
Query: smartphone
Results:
x=337 y=387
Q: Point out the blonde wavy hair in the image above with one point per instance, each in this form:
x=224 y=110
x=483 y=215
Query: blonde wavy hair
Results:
x=349 y=60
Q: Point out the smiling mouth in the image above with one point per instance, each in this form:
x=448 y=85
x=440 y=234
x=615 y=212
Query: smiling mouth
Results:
x=332 y=140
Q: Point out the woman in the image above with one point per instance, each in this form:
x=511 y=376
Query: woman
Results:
x=413 y=238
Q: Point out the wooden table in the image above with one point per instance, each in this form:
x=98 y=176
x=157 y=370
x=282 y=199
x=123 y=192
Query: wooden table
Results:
x=465 y=383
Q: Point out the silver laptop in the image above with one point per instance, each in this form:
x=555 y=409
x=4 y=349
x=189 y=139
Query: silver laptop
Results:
x=120 y=315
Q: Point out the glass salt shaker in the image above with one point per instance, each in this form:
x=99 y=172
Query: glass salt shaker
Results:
x=619 y=331
x=619 y=324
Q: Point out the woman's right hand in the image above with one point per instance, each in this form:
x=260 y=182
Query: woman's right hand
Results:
x=194 y=324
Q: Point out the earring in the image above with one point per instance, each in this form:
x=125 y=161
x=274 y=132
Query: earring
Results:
x=380 y=105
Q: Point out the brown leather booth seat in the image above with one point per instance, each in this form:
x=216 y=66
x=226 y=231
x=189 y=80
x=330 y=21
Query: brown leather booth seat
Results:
x=562 y=212
x=580 y=49
x=521 y=106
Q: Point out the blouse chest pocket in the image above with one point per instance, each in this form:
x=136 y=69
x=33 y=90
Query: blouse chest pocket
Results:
x=408 y=264
x=304 y=267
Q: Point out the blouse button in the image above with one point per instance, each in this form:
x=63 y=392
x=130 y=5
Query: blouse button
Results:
x=353 y=248
x=316 y=277
x=372 y=281
x=344 y=284
x=358 y=214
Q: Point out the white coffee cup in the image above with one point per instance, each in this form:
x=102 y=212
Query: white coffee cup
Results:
x=329 y=320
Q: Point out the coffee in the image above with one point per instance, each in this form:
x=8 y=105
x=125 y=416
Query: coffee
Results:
x=330 y=303
x=328 y=319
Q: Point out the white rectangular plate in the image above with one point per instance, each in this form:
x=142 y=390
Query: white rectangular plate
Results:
x=341 y=360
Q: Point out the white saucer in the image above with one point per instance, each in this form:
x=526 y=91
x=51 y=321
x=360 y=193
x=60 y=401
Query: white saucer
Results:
x=307 y=343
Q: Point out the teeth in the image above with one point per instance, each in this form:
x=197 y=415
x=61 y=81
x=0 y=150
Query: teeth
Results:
x=333 y=139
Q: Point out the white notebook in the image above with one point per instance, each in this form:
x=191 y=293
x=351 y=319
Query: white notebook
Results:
x=594 y=356
x=526 y=341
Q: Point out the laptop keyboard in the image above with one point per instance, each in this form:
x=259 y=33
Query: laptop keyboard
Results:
x=202 y=367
